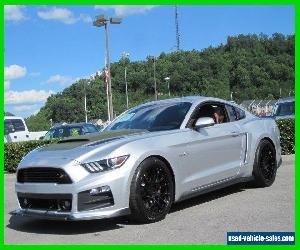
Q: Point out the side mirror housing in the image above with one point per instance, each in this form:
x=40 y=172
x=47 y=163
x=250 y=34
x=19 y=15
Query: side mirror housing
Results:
x=204 y=122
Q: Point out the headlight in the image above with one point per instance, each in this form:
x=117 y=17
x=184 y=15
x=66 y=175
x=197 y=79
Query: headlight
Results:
x=106 y=164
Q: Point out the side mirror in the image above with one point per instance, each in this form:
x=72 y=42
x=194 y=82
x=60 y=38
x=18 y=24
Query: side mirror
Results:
x=42 y=137
x=204 y=122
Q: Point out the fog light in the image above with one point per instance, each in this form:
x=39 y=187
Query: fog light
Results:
x=65 y=205
x=99 y=190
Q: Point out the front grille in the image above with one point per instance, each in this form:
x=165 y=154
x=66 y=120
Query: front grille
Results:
x=43 y=175
x=49 y=202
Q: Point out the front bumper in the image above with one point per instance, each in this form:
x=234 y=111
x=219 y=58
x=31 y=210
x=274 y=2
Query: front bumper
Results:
x=50 y=215
x=79 y=191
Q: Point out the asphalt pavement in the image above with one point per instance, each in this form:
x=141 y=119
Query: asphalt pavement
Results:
x=202 y=220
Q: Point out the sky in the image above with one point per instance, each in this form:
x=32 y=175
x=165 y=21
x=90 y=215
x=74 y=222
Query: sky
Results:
x=47 y=48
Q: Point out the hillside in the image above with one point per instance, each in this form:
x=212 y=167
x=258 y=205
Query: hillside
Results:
x=250 y=66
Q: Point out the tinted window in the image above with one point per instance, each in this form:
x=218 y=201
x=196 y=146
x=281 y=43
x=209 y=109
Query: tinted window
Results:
x=152 y=117
x=50 y=134
x=287 y=108
x=73 y=131
x=89 y=128
x=240 y=114
x=7 y=126
x=231 y=113
x=14 y=125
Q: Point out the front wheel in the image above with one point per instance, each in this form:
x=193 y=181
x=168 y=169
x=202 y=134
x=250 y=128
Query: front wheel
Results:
x=151 y=191
x=265 y=167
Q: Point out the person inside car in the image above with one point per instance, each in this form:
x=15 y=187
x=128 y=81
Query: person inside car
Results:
x=218 y=115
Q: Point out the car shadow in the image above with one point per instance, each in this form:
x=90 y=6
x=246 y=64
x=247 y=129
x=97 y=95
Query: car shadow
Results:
x=29 y=225
x=207 y=197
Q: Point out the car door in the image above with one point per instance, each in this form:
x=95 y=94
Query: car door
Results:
x=214 y=154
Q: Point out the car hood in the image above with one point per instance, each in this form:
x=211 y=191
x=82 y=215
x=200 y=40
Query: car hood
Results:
x=76 y=150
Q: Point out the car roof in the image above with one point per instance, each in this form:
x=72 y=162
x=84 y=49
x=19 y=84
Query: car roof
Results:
x=13 y=117
x=191 y=99
x=287 y=99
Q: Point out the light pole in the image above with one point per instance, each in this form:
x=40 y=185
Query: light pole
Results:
x=100 y=21
x=167 y=79
x=125 y=56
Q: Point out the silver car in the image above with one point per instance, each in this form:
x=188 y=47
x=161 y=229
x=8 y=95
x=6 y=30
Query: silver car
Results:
x=148 y=158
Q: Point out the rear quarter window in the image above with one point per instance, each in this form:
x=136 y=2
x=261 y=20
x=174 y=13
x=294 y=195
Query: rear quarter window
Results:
x=231 y=113
x=240 y=114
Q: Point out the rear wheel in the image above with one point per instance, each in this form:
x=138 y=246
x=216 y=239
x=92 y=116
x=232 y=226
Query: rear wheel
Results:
x=265 y=167
x=151 y=191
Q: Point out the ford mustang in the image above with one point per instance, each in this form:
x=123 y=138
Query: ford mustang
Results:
x=148 y=158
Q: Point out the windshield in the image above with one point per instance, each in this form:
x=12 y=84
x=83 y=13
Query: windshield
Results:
x=152 y=117
x=287 y=108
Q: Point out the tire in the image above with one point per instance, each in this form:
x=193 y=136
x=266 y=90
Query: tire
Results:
x=265 y=164
x=151 y=191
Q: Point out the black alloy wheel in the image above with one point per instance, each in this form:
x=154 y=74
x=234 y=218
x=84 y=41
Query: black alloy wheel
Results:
x=152 y=191
x=265 y=164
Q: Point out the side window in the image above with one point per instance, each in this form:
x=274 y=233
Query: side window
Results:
x=90 y=129
x=214 y=110
x=18 y=125
x=240 y=114
x=60 y=132
x=7 y=126
x=75 y=131
x=231 y=113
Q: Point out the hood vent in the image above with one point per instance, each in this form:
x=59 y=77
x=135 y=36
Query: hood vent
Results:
x=104 y=141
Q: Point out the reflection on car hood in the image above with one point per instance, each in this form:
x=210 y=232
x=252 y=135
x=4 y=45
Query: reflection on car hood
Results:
x=90 y=140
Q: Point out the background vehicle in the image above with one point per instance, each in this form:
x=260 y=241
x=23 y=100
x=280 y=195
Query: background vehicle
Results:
x=285 y=108
x=15 y=130
x=73 y=129
x=148 y=158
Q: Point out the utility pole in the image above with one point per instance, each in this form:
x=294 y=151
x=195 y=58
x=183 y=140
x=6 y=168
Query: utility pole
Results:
x=85 y=110
x=125 y=56
x=154 y=76
x=177 y=29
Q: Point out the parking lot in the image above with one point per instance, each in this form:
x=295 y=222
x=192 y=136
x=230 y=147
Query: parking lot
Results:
x=201 y=220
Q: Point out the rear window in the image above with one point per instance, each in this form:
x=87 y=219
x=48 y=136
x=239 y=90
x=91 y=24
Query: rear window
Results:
x=240 y=114
x=235 y=113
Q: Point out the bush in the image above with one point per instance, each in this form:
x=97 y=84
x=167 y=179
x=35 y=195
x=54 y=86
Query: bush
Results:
x=14 y=152
x=287 y=136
